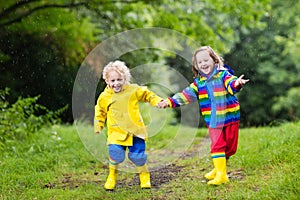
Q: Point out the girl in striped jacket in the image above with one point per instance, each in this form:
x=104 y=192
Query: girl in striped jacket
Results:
x=214 y=88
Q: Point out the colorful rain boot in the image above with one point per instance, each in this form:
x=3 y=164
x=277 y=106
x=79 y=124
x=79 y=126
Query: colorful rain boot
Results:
x=211 y=175
x=112 y=178
x=221 y=174
x=144 y=175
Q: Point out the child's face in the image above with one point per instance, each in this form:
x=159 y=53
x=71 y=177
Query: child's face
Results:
x=205 y=63
x=115 y=81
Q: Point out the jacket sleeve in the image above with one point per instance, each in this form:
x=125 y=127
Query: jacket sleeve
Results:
x=229 y=81
x=100 y=116
x=145 y=95
x=188 y=95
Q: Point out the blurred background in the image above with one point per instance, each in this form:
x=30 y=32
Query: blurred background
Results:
x=43 y=43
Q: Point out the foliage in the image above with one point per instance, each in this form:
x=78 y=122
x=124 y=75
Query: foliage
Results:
x=268 y=58
x=44 y=42
x=42 y=50
x=63 y=29
x=288 y=104
x=24 y=118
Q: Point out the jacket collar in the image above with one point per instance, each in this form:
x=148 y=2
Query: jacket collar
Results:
x=111 y=91
x=209 y=76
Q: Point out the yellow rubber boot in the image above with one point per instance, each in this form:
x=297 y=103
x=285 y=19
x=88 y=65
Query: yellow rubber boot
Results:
x=211 y=175
x=221 y=174
x=112 y=178
x=144 y=175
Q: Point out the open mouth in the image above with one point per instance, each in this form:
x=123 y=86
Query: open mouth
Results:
x=117 y=88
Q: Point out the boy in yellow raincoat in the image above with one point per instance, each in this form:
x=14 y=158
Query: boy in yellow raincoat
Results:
x=117 y=106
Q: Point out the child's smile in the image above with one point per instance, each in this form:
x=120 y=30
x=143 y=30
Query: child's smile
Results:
x=115 y=81
x=205 y=64
x=205 y=67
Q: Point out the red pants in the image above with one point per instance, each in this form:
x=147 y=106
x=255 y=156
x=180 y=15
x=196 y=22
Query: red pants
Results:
x=224 y=139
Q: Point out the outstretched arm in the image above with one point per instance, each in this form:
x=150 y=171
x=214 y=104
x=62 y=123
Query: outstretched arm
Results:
x=240 y=81
x=145 y=95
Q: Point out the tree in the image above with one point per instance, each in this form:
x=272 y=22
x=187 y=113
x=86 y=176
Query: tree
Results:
x=43 y=43
x=269 y=58
x=41 y=46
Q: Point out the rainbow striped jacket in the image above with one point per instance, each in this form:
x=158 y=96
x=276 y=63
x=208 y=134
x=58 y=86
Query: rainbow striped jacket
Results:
x=215 y=94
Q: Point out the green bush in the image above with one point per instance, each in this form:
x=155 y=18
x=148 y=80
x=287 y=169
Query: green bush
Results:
x=24 y=118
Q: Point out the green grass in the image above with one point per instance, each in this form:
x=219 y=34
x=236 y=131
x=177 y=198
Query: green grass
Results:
x=59 y=163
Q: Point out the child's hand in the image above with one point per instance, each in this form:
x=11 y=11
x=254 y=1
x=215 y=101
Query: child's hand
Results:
x=240 y=81
x=162 y=104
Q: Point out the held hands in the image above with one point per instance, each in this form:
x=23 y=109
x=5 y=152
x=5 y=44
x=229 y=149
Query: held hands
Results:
x=240 y=81
x=163 y=104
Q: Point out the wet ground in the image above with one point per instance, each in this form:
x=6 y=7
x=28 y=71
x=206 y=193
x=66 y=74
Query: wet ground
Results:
x=160 y=176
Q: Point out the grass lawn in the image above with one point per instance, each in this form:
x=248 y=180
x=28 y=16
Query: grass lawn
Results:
x=59 y=163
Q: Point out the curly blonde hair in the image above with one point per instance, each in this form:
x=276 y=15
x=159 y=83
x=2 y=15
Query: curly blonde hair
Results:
x=217 y=59
x=119 y=67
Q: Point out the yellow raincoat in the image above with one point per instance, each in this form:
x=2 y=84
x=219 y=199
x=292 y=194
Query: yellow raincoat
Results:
x=122 y=114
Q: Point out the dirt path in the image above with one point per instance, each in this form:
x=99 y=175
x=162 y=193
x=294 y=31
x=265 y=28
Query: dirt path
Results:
x=160 y=176
x=164 y=175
